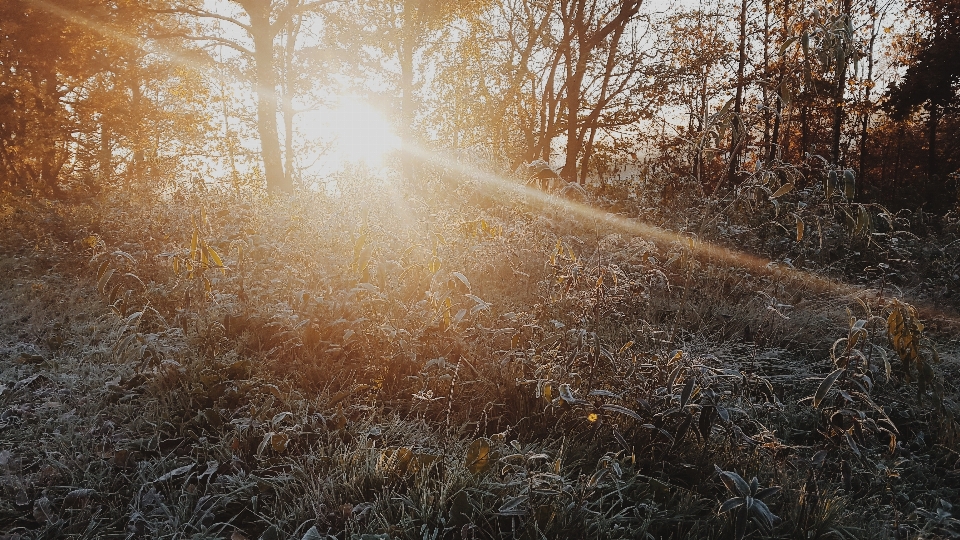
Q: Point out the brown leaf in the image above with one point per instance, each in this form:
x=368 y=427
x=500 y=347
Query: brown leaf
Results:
x=279 y=441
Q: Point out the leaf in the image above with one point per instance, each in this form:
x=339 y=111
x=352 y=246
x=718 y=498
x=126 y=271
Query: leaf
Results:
x=784 y=189
x=103 y=268
x=463 y=279
x=760 y=508
x=849 y=184
x=831 y=184
x=735 y=483
x=566 y=394
x=104 y=279
x=179 y=471
x=741 y=523
x=271 y=533
x=682 y=429
x=786 y=44
x=799 y=228
x=767 y=492
x=513 y=506
x=825 y=386
x=673 y=378
x=312 y=534
x=479 y=456
x=687 y=390
x=395 y=460
x=78 y=498
x=730 y=504
x=705 y=422
x=279 y=442
x=622 y=410
x=215 y=257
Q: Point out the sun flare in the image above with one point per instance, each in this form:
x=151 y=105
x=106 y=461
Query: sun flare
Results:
x=360 y=133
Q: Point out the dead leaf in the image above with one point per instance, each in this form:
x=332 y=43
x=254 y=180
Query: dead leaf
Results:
x=279 y=442
x=43 y=511
x=27 y=358
x=78 y=498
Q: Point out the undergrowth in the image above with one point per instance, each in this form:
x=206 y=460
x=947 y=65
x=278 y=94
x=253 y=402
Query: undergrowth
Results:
x=390 y=363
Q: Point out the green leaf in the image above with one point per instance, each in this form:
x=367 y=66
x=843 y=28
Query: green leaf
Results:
x=513 y=506
x=730 y=504
x=735 y=483
x=312 y=534
x=622 y=410
x=767 y=492
x=849 y=184
x=825 y=386
x=768 y=518
x=687 y=390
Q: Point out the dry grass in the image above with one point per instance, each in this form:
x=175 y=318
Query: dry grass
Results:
x=331 y=381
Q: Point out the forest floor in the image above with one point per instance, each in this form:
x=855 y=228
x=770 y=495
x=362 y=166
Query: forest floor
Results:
x=482 y=373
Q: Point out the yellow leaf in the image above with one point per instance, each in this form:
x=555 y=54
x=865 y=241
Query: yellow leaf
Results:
x=799 y=229
x=193 y=244
x=784 y=189
x=479 y=456
x=215 y=257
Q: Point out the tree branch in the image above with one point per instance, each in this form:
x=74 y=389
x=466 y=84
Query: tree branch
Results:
x=204 y=14
x=222 y=41
x=292 y=9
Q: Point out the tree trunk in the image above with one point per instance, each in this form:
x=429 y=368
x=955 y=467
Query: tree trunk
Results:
x=106 y=156
x=287 y=105
x=777 y=117
x=865 y=122
x=839 y=101
x=766 y=75
x=267 y=97
x=932 y=122
x=407 y=103
x=738 y=132
x=136 y=107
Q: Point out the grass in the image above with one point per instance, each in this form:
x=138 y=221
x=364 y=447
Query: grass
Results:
x=374 y=365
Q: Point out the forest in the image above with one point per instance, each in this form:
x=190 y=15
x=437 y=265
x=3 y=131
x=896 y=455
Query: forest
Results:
x=479 y=269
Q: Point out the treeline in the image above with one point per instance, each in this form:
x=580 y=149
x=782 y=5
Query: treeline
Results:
x=124 y=92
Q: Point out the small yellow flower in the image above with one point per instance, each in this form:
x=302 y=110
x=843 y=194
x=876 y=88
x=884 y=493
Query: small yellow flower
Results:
x=592 y=417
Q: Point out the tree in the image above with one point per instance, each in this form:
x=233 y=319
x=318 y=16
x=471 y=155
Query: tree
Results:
x=933 y=75
x=265 y=19
x=44 y=62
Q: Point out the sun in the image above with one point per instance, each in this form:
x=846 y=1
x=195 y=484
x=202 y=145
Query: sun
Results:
x=361 y=134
